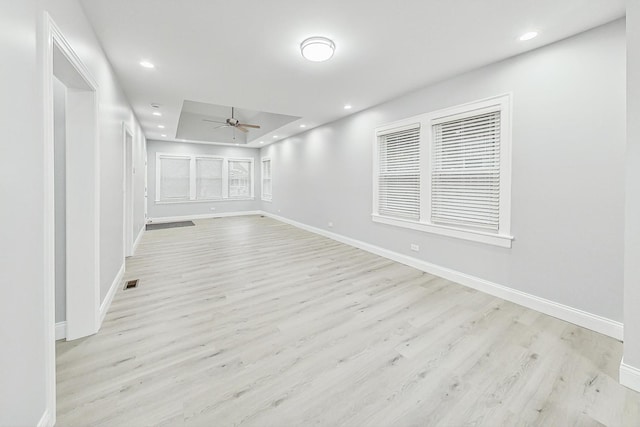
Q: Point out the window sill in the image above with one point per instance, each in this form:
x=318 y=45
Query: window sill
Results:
x=501 y=240
x=230 y=199
x=267 y=200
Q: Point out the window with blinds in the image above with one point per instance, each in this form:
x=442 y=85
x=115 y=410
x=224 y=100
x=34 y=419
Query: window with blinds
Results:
x=448 y=172
x=239 y=178
x=174 y=178
x=266 y=179
x=209 y=181
x=465 y=174
x=398 y=183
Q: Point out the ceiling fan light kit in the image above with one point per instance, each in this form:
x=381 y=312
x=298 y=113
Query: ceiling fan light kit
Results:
x=317 y=49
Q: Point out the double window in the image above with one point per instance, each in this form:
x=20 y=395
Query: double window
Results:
x=448 y=172
x=182 y=178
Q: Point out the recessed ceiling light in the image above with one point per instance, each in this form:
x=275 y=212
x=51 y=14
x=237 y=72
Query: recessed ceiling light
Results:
x=147 y=64
x=261 y=142
x=347 y=107
x=275 y=136
x=303 y=126
x=164 y=135
x=528 y=36
x=160 y=126
x=157 y=113
x=317 y=49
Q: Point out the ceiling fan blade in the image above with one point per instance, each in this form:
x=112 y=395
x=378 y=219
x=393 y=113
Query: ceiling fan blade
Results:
x=249 y=126
x=242 y=129
x=221 y=126
x=212 y=121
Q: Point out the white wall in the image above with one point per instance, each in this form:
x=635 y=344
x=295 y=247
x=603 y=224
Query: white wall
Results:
x=160 y=210
x=632 y=230
x=568 y=173
x=22 y=270
x=22 y=365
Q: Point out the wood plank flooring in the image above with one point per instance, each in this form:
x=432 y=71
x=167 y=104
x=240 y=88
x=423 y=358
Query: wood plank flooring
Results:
x=249 y=321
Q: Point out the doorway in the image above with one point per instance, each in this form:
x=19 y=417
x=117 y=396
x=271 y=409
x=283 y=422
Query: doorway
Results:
x=81 y=226
x=127 y=190
x=72 y=197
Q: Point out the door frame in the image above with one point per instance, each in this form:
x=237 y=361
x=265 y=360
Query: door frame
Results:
x=88 y=294
x=128 y=196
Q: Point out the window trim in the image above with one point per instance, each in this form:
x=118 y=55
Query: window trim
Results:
x=193 y=178
x=263 y=196
x=425 y=122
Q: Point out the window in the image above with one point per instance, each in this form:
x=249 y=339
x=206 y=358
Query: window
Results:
x=209 y=178
x=266 y=179
x=174 y=181
x=240 y=178
x=399 y=172
x=448 y=172
x=183 y=178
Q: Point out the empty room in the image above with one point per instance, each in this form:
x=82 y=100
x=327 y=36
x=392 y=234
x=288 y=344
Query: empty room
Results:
x=339 y=213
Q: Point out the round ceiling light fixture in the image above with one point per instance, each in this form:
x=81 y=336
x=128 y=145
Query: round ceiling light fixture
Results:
x=317 y=49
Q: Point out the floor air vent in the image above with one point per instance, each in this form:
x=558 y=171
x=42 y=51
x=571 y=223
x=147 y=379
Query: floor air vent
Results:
x=130 y=284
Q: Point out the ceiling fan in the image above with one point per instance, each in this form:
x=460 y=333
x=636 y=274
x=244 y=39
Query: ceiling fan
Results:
x=234 y=123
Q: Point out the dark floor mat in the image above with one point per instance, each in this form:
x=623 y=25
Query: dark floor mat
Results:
x=170 y=225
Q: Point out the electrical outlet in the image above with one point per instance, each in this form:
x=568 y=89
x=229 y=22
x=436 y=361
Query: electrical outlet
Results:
x=330 y=224
x=415 y=247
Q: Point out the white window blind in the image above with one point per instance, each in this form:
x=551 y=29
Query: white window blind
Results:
x=174 y=178
x=208 y=178
x=399 y=173
x=266 y=179
x=239 y=178
x=465 y=174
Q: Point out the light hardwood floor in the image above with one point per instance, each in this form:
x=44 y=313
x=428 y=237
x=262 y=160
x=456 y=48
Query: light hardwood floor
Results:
x=249 y=321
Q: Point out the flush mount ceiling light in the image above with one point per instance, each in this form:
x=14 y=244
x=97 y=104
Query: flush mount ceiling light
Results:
x=528 y=36
x=317 y=49
x=347 y=107
x=147 y=64
x=157 y=113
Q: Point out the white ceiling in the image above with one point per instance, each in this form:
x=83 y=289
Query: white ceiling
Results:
x=246 y=52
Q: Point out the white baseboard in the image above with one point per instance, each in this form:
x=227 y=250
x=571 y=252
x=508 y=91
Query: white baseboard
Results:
x=629 y=376
x=201 y=216
x=45 y=419
x=104 y=307
x=137 y=241
x=576 y=316
x=61 y=330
